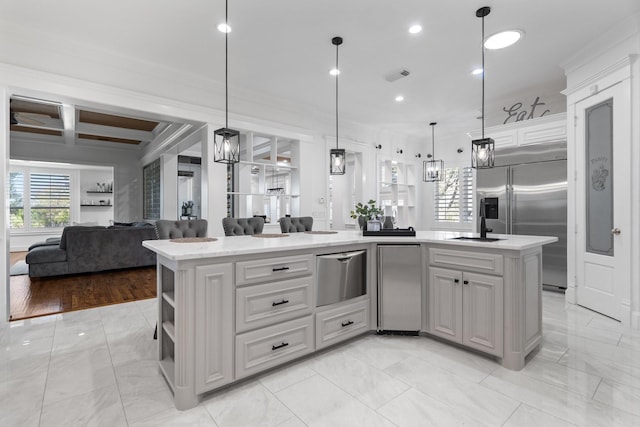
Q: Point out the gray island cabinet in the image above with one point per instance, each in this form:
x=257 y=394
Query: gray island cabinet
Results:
x=237 y=306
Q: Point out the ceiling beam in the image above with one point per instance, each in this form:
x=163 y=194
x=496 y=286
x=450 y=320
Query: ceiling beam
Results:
x=109 y=131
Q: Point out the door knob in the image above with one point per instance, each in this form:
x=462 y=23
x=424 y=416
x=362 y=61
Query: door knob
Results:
x=615 y=231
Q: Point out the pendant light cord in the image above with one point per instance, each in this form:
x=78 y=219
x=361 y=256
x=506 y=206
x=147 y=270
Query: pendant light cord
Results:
x=433 y=149
x=337 y=75
x=483 y=73
x=226 y=65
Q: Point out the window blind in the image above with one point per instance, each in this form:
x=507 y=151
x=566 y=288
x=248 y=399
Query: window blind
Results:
x=49 y=200
x=453 y=196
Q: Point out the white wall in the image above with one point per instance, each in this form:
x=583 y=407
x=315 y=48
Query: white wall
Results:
x=127 y=171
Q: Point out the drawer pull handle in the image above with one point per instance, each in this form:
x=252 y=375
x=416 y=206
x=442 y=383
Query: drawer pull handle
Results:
x=280 y=269
x=347 y=323
x=456 y=281
x=275 y=347
x=466 y=282
x=284 y=301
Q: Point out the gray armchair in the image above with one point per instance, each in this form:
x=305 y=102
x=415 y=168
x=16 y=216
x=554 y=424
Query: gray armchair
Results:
x=175 y=229
x=296 y=224
x=242 y=226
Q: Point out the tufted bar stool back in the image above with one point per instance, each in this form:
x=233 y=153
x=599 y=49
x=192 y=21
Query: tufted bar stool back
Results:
x=242 y=226
x=175 y=229
x=296 y=224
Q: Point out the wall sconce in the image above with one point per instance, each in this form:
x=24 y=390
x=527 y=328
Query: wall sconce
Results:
x=418 y=156
x=378 y=147
x=460 y=150
x=398 y=150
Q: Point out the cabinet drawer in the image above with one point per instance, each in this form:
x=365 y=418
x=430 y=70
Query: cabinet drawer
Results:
x=467 y=260
x=273 y=345
x=262 y=305
x=340 y=323
x=264 y=270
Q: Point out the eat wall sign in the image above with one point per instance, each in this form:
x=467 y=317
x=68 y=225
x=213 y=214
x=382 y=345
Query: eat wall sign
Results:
x=516 y=113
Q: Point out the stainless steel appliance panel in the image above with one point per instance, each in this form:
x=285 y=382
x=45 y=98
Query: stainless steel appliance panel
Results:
x=539 y=207
x=531 y=183
x=340 y=277
x=493 y=183
x=399 y=288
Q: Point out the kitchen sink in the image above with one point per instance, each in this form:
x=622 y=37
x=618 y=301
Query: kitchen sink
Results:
x=477 y=239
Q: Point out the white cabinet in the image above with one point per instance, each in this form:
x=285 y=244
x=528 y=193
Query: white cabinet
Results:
x=341 y=323
x=467 y=308
x=271 y=346
x=262 y=305
x=214 y=326
x=397 y=191
x=274 y=311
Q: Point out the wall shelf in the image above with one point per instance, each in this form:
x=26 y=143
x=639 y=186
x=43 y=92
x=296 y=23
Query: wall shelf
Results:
x=100 y=192
x=95 y=206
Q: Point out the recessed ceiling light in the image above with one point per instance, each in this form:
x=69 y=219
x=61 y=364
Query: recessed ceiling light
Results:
x=399 y=98
x=477 y=71
x=503 y=39
x=224 y=28
x=334 y=72
x=415 y=29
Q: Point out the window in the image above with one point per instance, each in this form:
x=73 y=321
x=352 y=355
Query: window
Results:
x=50 y=200
x=151 y=190
x=16 y=200
x=39 y=200
x=453 y=197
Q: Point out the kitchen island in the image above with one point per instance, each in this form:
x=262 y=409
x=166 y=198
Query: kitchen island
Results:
x=237 y=306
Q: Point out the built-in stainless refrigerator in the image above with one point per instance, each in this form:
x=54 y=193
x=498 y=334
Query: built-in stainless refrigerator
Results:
x=526 y=193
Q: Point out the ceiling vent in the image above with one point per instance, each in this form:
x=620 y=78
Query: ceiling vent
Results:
x=396 y=75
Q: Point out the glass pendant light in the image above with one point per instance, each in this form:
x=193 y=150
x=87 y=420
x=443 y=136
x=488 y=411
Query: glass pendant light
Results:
x=432 y=170
x=226 y=142
x=337 y=158
x=483 y=150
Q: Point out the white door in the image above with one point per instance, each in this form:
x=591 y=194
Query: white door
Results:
x=603 y=200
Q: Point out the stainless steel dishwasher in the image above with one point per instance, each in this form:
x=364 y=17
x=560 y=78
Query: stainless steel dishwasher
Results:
x=399 y=288
x=341 y=276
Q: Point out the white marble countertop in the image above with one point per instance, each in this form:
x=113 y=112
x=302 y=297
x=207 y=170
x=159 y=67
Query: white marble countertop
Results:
x=247 y=245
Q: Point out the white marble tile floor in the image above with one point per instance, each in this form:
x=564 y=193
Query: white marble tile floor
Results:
x=97 y=368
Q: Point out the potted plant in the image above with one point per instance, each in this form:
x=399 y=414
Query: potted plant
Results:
x=366 y=212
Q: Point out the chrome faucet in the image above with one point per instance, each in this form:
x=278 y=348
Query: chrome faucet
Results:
x=483 y=222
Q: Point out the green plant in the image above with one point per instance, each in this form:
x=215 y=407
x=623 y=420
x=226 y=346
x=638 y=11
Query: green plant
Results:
x=367 y=211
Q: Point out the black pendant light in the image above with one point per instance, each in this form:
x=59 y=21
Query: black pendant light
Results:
x=337 y=156
x=483 y=150
x=226 y=142
x=432 y=170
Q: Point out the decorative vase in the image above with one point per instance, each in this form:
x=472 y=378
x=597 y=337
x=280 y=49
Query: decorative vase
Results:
x=362 y=222
x=388 y=222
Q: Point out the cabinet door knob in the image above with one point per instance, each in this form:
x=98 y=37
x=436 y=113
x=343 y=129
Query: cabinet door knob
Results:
x=456 y=281
x=466 y=282
x=615 y=231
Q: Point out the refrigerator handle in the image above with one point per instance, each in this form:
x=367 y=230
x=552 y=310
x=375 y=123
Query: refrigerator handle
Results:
x=510 y=201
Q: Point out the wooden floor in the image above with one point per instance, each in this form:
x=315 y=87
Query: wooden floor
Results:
x=42 y=296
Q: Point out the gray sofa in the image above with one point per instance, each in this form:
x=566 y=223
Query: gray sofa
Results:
x=89 y=249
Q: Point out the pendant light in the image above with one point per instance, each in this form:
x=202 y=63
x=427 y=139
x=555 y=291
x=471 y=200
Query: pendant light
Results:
x=483 y=149
x=226 y=142
x=432 y=170
x=337 y=158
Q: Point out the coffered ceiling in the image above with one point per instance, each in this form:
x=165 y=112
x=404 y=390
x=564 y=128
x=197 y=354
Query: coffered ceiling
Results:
x=71 y=124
